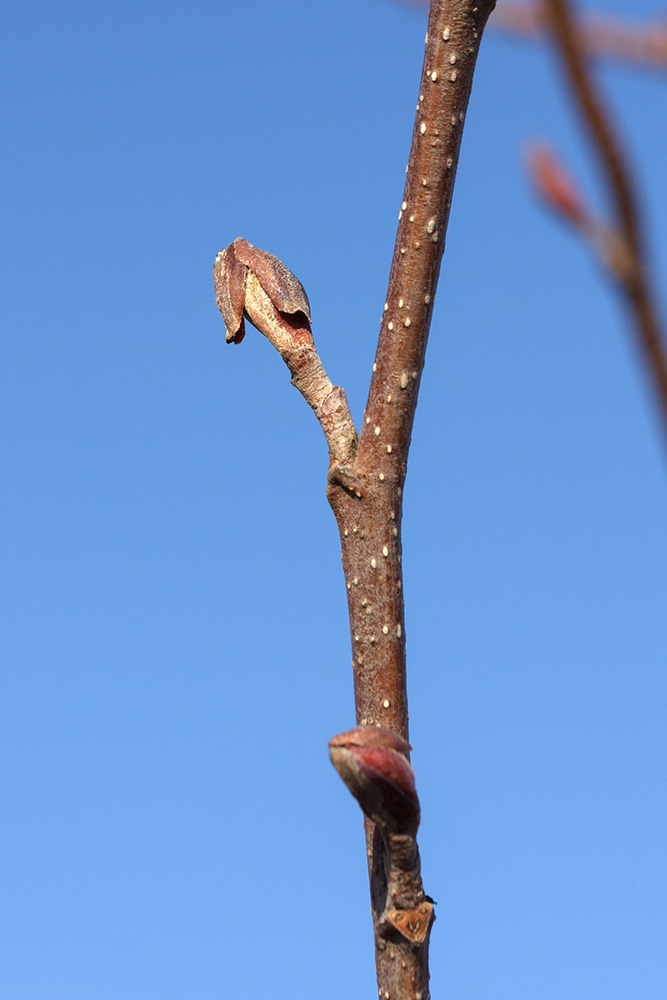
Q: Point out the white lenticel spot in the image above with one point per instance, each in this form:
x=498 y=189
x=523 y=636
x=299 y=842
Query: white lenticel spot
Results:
x=404 y=380
x=389 y=449
x=385 y=630
x=445 y=34
x=422 y=128
x=385 y=703
x=408 y=322
x=377 y=432
x=373 y=563
x=385 y=551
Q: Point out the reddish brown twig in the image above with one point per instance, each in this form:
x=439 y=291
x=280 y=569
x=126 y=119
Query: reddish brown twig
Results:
x=366 y=492
x=626 y=41
x=366 y=477
x=622 y=245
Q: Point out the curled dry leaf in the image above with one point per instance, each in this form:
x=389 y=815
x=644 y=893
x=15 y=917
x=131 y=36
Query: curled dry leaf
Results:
x=372 y=763
x=229 y=276
x=283 y=288
x=283 y=303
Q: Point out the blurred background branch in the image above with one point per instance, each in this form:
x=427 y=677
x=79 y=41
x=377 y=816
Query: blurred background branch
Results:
x=601 y=35
x=621 y=244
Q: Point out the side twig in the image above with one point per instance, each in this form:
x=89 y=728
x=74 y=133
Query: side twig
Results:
x=623 y=248
x=636 y=43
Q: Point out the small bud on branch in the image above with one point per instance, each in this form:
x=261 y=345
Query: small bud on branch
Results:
x=372 y=763
x=554 y=184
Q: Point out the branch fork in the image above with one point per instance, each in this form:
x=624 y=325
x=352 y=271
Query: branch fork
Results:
x=366 y=476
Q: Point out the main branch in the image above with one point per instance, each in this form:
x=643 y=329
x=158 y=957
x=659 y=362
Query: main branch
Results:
x=366 y=492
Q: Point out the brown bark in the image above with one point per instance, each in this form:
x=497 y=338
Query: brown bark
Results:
x=366 y=474
x=366 y=492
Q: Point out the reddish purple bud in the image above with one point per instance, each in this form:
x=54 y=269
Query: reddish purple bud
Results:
x=553 y=182
x=372 y=763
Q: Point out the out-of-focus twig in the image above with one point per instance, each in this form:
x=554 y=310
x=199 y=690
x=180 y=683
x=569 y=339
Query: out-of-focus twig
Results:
x=626 y=41
x=634 y=42
x=621 y=246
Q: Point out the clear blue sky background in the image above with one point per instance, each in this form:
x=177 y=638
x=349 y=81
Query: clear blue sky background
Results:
x=174 y=642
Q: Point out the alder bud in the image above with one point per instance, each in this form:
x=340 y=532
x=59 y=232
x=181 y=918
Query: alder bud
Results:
x=554 y=184
x=253 y=283
x=372 y=763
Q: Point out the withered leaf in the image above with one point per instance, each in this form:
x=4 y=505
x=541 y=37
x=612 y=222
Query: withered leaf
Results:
x=229 y=281
x=283 y=288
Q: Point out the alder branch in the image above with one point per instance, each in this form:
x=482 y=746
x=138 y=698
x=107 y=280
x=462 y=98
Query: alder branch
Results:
x=621 y=246
x=366 y=493
x=366 y=477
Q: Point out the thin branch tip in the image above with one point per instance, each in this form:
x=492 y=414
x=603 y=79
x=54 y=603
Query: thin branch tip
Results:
x=253 y=284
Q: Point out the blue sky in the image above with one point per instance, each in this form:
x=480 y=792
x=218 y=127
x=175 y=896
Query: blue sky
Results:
x=174 y=639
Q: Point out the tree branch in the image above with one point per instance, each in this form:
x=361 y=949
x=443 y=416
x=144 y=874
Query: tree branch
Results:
x=622 y=247
x=366 y=492
x=366 y=479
